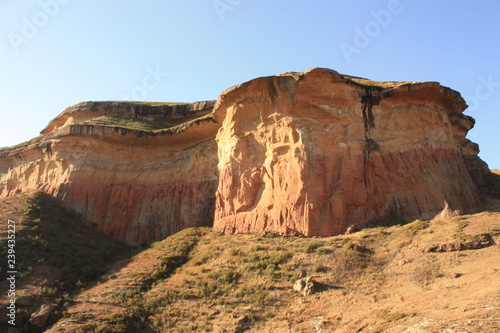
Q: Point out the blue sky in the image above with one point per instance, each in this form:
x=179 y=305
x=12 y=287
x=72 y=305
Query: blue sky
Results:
x=56 y=53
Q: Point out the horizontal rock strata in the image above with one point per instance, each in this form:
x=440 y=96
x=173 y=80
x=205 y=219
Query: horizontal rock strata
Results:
x=137 y=186
x=313 y=153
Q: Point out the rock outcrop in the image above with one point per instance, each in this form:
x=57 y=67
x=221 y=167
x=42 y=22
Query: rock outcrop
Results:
x=40 y=317
x=316 y=153
x=312 y=153
x=136 y=185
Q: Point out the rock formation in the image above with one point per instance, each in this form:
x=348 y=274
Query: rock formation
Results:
x=135 y=185
x=315 y=153
x=311 y=153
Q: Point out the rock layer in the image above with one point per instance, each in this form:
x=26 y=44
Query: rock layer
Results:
x=316 y=153
x=313 y=153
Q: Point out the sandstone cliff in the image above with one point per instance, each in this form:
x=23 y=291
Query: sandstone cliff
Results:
x=135 y=185
x=316 y=153
x=310 y=153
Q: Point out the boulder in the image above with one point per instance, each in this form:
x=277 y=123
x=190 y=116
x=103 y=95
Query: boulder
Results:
x=40 y=317
x=305 y=286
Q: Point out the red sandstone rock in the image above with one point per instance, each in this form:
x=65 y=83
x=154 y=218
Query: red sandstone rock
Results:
x=136 y=186
x=316 y=153
x=312 y=154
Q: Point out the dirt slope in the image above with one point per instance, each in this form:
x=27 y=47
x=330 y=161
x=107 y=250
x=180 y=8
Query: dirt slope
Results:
x=383 y=279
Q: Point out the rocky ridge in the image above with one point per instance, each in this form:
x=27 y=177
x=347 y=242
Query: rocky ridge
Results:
x=313 y=153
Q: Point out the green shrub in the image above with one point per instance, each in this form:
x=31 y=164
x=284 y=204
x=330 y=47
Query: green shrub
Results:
x=167 y=266
x=256 y=295
x=234 y=252
x=206 y=289
x=411 y=229
x=319 y=268
x=354 y=246
x=225 y=277
x=324 y=250
x=161 y=300
x=350 y=261
x=312 y=245
x=263 y=262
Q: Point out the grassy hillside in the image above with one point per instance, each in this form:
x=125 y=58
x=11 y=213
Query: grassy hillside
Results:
x=56 y=255
x=385 y=279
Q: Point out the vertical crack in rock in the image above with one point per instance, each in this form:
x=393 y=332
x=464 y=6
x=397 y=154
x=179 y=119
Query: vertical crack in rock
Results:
x=48 y=148
x=368 y=101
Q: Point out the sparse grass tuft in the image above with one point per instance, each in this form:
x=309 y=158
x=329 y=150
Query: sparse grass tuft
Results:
x=319 y=268
x=235 y=252
x=392 y=316
x=312 y=245
x=425 y=273
x=267 y=262
x=356 y=247
x=411 y=229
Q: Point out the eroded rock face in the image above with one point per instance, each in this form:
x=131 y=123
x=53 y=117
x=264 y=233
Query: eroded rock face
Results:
x=316 y=153
x=137 y=186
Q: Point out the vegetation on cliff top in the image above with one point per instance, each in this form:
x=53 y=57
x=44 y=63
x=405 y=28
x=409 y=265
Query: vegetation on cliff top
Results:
x=128 y=123
x=146 y=126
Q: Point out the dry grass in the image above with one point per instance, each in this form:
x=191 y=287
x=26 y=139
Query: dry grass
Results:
x=376 y=280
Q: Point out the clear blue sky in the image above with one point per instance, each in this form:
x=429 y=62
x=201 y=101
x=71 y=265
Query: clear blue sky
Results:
x=56 y=53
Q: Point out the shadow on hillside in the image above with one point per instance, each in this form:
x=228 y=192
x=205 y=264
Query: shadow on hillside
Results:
x=322 y=287
x=491 y=193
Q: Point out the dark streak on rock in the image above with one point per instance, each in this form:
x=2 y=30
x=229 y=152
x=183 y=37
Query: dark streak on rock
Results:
x=368 y=101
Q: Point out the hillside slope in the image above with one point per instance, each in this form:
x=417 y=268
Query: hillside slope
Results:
x=55 y=256
x=426 y=276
